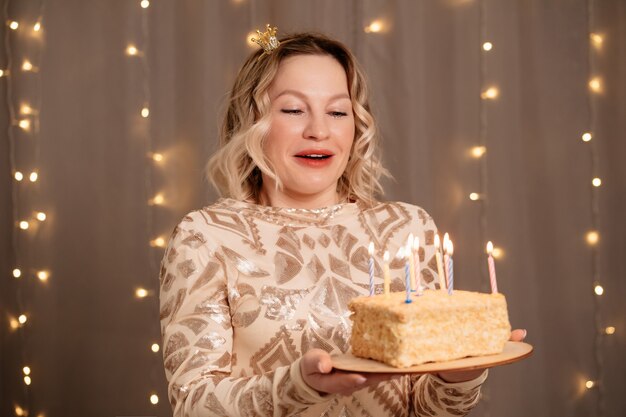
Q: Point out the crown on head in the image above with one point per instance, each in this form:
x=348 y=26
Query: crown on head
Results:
x=267 y=40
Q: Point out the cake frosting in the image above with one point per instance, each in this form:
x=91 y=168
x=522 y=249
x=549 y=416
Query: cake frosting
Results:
x=434 y=327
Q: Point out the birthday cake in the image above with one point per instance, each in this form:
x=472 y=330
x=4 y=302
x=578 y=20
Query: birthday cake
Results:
x=434 y=327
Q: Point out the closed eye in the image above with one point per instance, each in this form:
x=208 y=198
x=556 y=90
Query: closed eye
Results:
x=290 y=111
x=338 y=114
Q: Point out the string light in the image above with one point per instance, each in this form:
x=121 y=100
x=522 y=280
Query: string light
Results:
x=487 y=46
x=2 y=73
x=22 y=319
x=33 y=176
x=27 y=380
x=141 y=293
x=157 y=157
x=14 y=324
x=595 y=84
x=27 y=65
x=43 y=275
x=598 y=289
x=145 y=112
x=596 y=182
x=24 y=124
x=24 y=225
x=14 y=25
x=590 y=384
x=159 y=242
x=375 y=27
x=609 y=330
x=154 y=399
x=26 y=109
x=155 y=347
x=17 y=273
x=37 y=27
x=157 y=200
x=490 y=94
x=131 y=50
x=26 y=370
x=41 y=216
x=19 y=411
x=145 y=4
x=18 y=176
x=478 y=151
x=475 y=196
x=592 y=237
x=586 y=137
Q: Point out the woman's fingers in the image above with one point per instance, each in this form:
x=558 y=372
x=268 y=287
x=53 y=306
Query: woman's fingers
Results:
x=518 y=335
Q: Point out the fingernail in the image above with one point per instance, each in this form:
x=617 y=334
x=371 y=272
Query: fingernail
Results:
x=525 y=333
x=360 y=380
x=320 y=368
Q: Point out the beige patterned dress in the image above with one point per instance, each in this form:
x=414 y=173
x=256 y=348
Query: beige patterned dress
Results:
x=247 y=289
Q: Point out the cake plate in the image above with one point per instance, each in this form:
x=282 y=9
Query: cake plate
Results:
x=513 y=352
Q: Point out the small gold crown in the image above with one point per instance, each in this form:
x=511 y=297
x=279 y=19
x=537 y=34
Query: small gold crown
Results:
x=267 y=40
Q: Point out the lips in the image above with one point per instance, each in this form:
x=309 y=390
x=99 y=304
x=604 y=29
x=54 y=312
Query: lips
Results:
x=315 y=154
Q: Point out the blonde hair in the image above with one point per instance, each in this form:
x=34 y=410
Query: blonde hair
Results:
x=235 y=168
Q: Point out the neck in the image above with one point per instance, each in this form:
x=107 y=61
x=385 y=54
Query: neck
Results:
x=270 y=196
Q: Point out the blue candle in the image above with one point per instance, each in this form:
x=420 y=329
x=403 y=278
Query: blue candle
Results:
x=407 y=271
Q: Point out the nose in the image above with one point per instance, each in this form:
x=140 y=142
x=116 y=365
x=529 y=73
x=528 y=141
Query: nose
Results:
x=317 y=128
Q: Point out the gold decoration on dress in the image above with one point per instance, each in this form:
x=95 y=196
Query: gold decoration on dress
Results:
x=267 y=40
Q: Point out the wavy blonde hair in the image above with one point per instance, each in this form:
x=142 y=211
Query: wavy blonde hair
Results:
x=235 y=168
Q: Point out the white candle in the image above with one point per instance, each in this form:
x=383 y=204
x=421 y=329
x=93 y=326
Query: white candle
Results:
x=410 y=259
x=440 y=272
x=370 y=250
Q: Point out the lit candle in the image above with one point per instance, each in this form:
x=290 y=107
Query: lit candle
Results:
x=386 y=278
x=404 y=254
x=410 y=259
x=370 y=250
x=418 y=268
x=446 y=260
x=492 y=268
x=450 y=252
x=442 y=282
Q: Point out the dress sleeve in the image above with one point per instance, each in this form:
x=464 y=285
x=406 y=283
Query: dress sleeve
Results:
x=198 y=341
x=430 y=395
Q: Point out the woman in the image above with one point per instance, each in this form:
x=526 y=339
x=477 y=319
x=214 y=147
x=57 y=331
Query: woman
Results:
x=254 y=288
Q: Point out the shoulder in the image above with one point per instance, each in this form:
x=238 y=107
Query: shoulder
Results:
x=402 y=210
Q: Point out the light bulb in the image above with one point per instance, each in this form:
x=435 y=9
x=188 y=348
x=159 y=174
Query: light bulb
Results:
x=586 y=137
x=33 y=176
x=20 y=412
x=26 y=370
x=17 y=273
x=590 y=384
x=14 y=324
x=595 y=84
x=487 y=46
x=474 y=196
x=27 y=66
x=490 y=93
x=24 y=225
x=478 y=151
x=592 y=237
x=157 y=157
x=159 y=242
x=145 y=112
x=374 y=27
x=37 y=27
x=22 y=319
x=497 y=253
x=2 y=73
x=26 y=109
x=24 y=124
x=596 y=182
x=131 y=50
x=43 y=275
x=41 y=216
x=155 y=347
x=141 y=292
x=19 y=176
x=154 y=399
x=157 y=200
x=598 y=289
x=27 y=380
x=609 y=330
x=145 y=4
x=14 y=25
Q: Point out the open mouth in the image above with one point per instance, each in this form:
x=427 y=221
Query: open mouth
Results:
x=314 y=156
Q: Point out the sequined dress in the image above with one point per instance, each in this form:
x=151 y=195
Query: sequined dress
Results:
x=245 y=290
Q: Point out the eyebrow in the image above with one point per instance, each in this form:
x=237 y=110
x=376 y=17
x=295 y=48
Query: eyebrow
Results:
x=302 y=95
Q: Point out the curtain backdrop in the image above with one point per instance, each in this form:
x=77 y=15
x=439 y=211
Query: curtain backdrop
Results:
x=88 y=337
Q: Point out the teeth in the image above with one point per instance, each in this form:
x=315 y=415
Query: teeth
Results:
x=315 y=156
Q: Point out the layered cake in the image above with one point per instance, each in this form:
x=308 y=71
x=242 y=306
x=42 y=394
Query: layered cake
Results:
x=434 y=327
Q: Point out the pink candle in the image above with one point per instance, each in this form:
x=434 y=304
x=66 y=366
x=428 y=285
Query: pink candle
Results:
x=370 y=250
x=446 y=260
x=492 y=268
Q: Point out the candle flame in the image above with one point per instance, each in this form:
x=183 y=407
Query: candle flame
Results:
x=370 y=248
x=386 y=256
x=446 y=239
x=437 y=242
x=400 y=253
x=416 y=244
x=450 y=248
x=489 y=247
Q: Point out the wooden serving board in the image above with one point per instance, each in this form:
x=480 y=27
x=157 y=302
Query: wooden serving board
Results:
x=513 y=352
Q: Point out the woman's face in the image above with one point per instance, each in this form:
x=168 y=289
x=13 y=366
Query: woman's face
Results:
x=311 y=133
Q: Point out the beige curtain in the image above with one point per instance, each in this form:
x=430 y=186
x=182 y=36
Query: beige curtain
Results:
x=88 y=338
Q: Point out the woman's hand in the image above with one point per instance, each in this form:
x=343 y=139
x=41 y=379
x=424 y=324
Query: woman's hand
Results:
x=517 y=335
x=317 y=371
